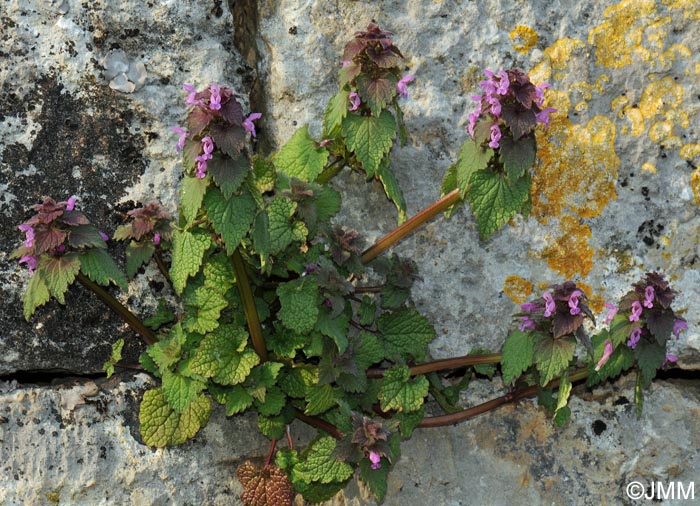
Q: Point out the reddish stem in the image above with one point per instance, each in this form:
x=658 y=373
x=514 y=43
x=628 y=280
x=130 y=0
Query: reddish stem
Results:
x=319 y=424
x=273 y=444
x=441 y=365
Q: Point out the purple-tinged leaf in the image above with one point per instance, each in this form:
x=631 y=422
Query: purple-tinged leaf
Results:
x=660 y=324
x=197 y=120
x=377 y=93
x=521 y=121
x=353 y=48
x=384 y=58
x=85 y=236
x=517 y=156
x=564 y=323
x=232 y=111
x=347 y=75
x=47 y=239
x=139 y=228
x=73 y=218
x=228 y=172
x=228 y=138
x=190 y=152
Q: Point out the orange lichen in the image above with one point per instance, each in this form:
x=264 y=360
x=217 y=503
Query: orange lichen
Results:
x=524 y=38
x=695 y=185
x=595 y=300
x=517 y=289
x=570 y=254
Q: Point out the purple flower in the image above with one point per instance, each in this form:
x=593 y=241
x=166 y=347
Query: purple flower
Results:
x=473 y=118
x=29 y=235
x=649 y=297
x=70 y=205
x=495 y=136
x=634 y=337
x=528 y=306
x=606 y=355
x=215 y=97
x=346 y=63
x=182 y=139
x=543 y=115
x=504 y=83
x=104 y=236
x=670 y=357
x=495 y=105
x=539 y=93
x=401 y=85
x=375 y=459
x=191 y=100
x=679 y=325
x=208 y=148
x=309 y=268
x=611 y=314
x=354 y=101
x=248 y=122
x=636 y=311
x=527 y=324
x=324 y=143
x=550 y=305
x=156 y=238
x=573 y=302
x=201 y=168
x=328 y=303
x=31 y=262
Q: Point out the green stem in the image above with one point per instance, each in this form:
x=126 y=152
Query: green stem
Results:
x=466 y=414
x=330 y=171
x=410 y=226
x=435 y=385
x=251 y=313
x=441 y=365
x=147 y=336
x=161 y=266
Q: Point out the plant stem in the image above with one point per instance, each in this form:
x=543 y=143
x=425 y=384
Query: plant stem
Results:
x=453 y=418
x=273 y=444
x=319 y=424
x=368 y=289
x=161 y=266
x=441 y=365
x=410 y=226
x=251 y=313
x=146 y=335
x=330 y=171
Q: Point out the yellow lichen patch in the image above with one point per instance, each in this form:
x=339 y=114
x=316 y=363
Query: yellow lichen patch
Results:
x=649 y=167
x=517 y=289
x=524 y=38
x=619 y=103
x=660 y=95
x=577 y=168
x=570 y=254
x=691 y=8
x=673 y=53
x=559 y=54
x=691 y=152
x=595 y=300
x=620 y=36
x=660 y=131
x=637 y=125
x=678 y=117
x=695 y=185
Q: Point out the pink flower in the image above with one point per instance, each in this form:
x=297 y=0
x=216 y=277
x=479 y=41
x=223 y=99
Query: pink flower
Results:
x=182 y=139
x=70 y=205
x=649 y=297
x=156 y=238
x=670 y=357
x=346 y=63
x=634 y=337
x=573 y=302
x=504 y=83
x=31 y=262
x=401 y=85
x=636 y=311
x=215 y=97
x=527 y=324
x=354 y=101
x=29 y=235
x=248 y=122
x=473 y=118
x=550 y=305
x=611 y=314
x=191 y=100
x=208 y=148
x=375 y=459
x=495 y=136
x=679 y=325
x=543 y=115
x=495 y=105
x=606 y=355
x=104 y=236
x=539 y=93
x=528 y=306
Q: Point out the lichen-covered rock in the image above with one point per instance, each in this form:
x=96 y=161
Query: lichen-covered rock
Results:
x=89 y=92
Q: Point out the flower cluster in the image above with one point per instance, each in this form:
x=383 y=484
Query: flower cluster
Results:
x=370 y=438
x=54 y=229
x=509 y=105
x=559 y=312
x=151 y=222
x=215 y=119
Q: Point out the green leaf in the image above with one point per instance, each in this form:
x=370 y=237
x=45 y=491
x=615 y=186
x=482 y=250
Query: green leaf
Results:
x=316 y=492
x=319 y=398
x=223 y=356
x=36 y=295
x=301 y=156
x=620 y=329
x=162 y=316
x=114 y=357
x=336 y=110
x=180 y=391
x=406 y=333
x=203 y=308
x=263 y=174
x=272 y=427
x=191 y=194
x=188 y=251
x=335 y=328
x=393 y=297
x=562 y=416
x=472 y=158
x=449 y=183
x=285 y=343
x=517 y=156
x=166 y=352
x=401 y=393
x=261 y=235
x=375 y=478
x=392 y=188
x=321 y=465
x=367 y=312
x=650 y=356
x=367 y=350
x=138 y=254
x=228 y=173
x=275 y=400
x=564 y=392
x=327 y=202
x=58 y=273
x=297 y=380
x=97 y=265
x=86 y=236
x=280 y=212
x=162 y=426
x=495 y=199
x=370 y=138
x=402 y=126
x=408 y=422
x=517 y=356
x=237 y=400
x=218 y=273
x=620 y=360
x=232 y=217
x=377 y=92
x=552 y=356
x=299 y=300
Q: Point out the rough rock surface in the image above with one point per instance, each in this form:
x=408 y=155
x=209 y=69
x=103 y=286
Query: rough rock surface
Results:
x=624 y=143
